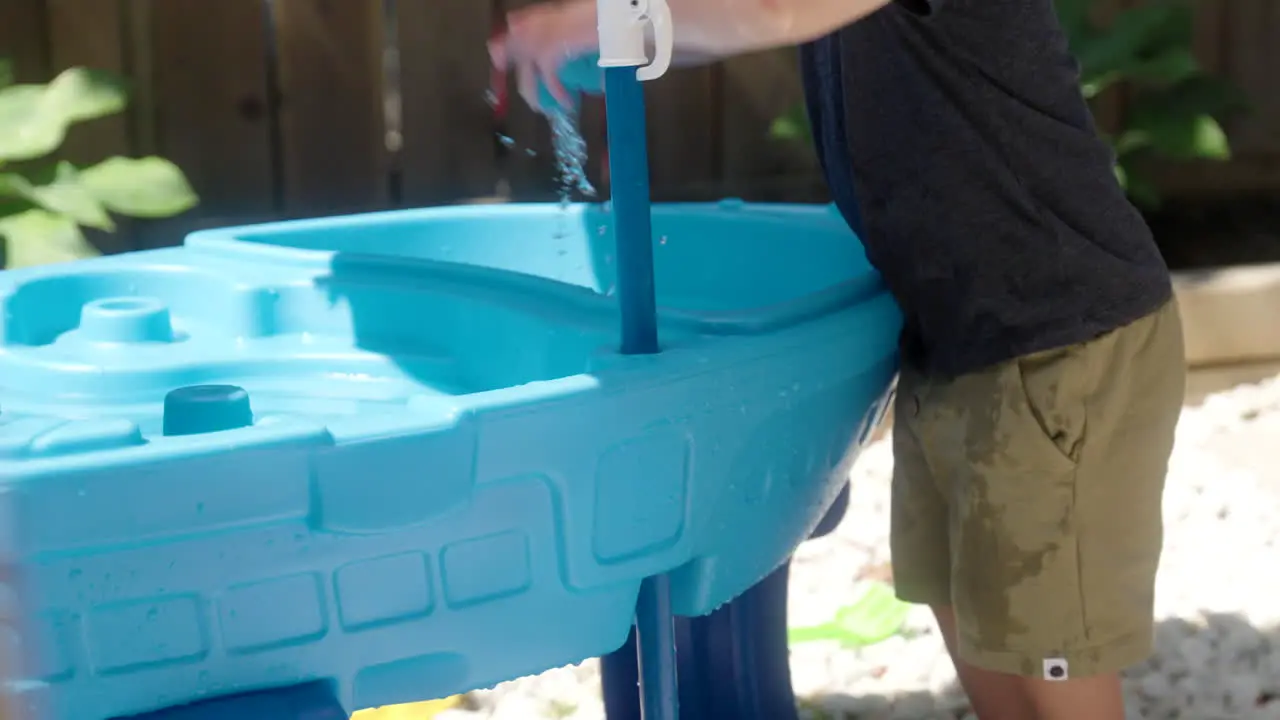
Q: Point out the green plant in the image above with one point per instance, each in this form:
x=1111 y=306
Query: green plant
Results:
x=1173 y=106
x=45 y=205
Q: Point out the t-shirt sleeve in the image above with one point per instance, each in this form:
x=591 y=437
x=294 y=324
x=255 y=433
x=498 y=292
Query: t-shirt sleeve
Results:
x=922 y=7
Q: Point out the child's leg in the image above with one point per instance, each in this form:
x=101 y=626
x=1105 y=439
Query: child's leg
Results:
x=992 y=695
x=1051 y=470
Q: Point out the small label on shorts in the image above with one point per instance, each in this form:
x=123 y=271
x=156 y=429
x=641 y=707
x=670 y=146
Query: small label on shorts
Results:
x=1055 y=669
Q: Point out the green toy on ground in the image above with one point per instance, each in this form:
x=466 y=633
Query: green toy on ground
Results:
x=874 y=617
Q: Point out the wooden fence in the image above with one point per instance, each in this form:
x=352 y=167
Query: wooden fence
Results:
x=284 y=108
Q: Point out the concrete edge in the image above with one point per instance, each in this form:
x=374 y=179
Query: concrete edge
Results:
x=1230 y=315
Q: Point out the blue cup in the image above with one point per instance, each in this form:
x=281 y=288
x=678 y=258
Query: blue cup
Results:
x=580 y=76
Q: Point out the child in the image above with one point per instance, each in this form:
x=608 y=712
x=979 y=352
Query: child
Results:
x=1042 y=358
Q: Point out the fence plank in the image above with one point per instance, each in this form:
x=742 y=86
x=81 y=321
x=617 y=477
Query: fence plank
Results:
x=684 y=131
x=334 y=145
x=1109 y=107
x=90 y=35
x=1210 y=35
x=24 y=38
x=756 y=90
x=138 y=58
x=1254 y=33
x=448 y=146
x=208 y=67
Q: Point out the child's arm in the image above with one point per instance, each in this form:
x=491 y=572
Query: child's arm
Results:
x=539 y=38
x=724 y=28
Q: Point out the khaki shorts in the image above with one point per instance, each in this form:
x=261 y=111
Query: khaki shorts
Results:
x=1028 y=497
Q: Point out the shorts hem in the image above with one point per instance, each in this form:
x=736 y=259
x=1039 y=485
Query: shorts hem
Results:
x=1082 y=662
x=922 y=595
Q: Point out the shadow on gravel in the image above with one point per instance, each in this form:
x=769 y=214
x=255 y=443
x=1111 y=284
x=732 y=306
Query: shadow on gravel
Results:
x=1217 y=667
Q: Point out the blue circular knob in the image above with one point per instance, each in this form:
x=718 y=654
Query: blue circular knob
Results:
x=198 y=409
x=126 y=320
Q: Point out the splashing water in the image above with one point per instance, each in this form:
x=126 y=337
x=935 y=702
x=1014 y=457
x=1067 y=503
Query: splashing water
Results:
x=571 y=154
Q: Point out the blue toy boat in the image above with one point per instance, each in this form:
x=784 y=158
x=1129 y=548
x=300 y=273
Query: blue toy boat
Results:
x=400 y=453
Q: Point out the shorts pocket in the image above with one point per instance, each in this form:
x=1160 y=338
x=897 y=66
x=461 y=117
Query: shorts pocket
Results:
x=1053 y=386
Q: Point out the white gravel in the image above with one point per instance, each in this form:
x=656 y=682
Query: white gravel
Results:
x=1218 y=599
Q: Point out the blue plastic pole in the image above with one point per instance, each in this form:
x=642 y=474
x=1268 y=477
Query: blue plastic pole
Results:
x=632 y=226
x=656 y=651
x=633 y=238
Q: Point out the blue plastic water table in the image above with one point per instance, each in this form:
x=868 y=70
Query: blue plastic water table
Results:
x=399 y=455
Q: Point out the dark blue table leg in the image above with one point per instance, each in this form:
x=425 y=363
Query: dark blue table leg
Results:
x=656 y=643
x=310 y=701
x=732 y=664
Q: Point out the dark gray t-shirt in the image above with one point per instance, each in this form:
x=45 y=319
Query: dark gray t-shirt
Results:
x=955 y=139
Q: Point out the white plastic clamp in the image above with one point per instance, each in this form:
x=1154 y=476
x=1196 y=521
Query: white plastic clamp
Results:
x=623 y=27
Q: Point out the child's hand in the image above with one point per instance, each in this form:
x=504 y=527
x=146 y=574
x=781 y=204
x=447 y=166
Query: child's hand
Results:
x=539 y=39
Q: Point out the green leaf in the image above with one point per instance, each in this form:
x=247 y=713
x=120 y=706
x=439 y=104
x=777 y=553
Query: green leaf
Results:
x=1197 y=95
x=1142 y=192
x=79 y=94
x=1134 y=35
x=39 y=237
x=1131 y=141
x=1170 y=67
x=34 y=118
x=1094 y=87
x=1074 y=16
x=25 y=133
x=12 y=185
x=66 y=195
x=1180 y=137
x=149 y=187
x=13 y=206
x=793 y=125
x=1209 y=140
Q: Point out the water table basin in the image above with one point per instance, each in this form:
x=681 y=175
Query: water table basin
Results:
x=400 y=452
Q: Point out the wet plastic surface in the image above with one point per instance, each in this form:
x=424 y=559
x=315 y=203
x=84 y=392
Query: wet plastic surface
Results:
x=400 y=453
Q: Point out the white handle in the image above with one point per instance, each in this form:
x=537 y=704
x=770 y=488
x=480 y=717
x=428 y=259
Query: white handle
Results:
x=621 y=24
x=663 y=42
